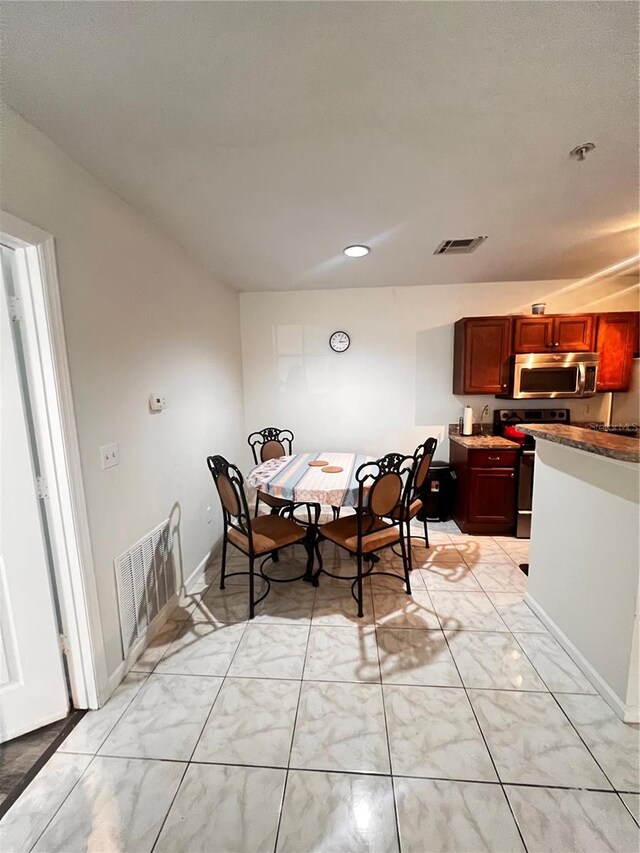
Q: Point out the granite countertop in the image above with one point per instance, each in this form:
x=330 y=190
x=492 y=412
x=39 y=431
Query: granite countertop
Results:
x=601 y=443
x=480 y=440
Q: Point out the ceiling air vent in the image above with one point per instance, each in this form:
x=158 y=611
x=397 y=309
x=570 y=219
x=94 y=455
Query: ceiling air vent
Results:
x=459 y=247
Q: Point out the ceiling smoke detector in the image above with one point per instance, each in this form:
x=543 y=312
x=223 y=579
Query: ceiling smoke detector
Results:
x=581 y=151
x=459 y=247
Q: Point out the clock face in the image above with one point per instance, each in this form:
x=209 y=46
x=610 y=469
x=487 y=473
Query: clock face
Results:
x=339 y=341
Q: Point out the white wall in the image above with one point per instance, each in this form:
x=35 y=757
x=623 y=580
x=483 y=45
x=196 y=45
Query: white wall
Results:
x=393 y=386
x=140 y=316
x=583 y=573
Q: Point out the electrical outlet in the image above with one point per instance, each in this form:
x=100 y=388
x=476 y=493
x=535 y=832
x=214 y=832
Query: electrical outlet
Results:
x=109 y=456
x=209 y=513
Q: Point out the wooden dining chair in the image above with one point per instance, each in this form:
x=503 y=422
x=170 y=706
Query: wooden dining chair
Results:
x=422 y=462
x=383 y=493
x=271 y=443
x=262 y=536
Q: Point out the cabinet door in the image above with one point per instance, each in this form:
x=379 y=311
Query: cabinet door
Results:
x=481 y=355
x=492 y=495
x=573 y=333
x=616 y=341
x=532 y=334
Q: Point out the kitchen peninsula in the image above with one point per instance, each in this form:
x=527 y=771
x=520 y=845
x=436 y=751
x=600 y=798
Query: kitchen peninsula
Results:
x=584 y=568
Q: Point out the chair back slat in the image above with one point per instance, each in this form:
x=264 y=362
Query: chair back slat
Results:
x=423 y=456
x=228 y=495
x=230 y=487
x=383 y=491
x=271 y=450
x=385 y=494
x=270 y=443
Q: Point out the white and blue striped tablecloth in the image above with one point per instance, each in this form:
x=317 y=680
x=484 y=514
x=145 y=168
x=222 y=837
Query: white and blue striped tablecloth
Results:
x=291 y=478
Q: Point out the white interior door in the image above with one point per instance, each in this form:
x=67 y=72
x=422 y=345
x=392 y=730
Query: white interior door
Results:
x=33 y=689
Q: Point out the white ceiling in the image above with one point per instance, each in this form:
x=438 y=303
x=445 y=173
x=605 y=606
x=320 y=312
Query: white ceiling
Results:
x=267 y=136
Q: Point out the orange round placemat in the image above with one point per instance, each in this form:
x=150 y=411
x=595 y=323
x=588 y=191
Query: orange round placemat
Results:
x=318 y=463
x=332 y=469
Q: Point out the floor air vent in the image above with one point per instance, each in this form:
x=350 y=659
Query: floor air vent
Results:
x=145 y=577
x=459 y=247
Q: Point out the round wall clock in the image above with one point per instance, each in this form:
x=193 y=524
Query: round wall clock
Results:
x=339 y=341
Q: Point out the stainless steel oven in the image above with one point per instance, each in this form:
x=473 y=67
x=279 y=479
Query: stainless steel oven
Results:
x=505 y=423
x=552 y=376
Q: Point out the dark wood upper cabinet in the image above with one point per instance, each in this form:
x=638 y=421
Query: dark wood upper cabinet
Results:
x=532 y=334
x=616 y=341
x=482 y=346
x=553 y=332
x=573 y=332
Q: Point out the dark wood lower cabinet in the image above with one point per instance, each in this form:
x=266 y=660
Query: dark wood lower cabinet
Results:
x=485 y=499
x=491 y=496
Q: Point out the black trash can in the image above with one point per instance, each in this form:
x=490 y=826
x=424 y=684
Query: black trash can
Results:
x=437 y=493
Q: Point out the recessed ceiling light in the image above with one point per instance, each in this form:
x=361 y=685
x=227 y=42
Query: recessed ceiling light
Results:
x=356 y=251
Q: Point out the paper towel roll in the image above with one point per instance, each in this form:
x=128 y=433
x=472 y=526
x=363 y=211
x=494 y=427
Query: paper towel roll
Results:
x=467 y=421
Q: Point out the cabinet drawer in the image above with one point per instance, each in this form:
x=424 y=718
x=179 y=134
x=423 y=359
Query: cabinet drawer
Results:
x=493 y=458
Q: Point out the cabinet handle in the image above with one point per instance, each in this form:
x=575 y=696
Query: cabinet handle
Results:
x=493 y=458
x=512 y=476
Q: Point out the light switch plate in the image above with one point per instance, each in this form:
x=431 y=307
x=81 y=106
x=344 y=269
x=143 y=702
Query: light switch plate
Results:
x=109 y=456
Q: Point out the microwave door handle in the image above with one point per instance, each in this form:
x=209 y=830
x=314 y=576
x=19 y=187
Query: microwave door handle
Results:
x=582 y=378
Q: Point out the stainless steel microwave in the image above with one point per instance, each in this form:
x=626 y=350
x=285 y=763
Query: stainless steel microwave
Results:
x=553 y=376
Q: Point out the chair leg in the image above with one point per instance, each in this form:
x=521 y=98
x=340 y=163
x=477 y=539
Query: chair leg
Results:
x=274 y=554
x=426 y=533
x=314 y=579
x=360 y=612
x=252 y=606
x=406 y=562
x=224 y=560
x=336 y=512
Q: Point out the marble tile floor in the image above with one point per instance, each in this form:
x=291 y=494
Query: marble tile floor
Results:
x=449 y=720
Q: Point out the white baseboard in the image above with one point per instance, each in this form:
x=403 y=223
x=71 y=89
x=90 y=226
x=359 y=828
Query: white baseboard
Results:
x=136 y=650
x=628 y=713
x=158 y=623
x=195 y=575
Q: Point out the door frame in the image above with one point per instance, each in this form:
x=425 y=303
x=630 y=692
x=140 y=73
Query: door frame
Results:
x=51 y=395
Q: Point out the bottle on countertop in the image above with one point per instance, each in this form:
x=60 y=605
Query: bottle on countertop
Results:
x=467 y=421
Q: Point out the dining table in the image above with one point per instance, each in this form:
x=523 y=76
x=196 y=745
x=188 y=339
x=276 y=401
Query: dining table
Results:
x=294 y=478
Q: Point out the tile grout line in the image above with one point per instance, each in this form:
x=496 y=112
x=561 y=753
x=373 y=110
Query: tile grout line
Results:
x=627 y=807
x=222 y=683
x=551 y=693
x=386 y=729
x=293 y=734
x=542 y=691
x=73 y=787
x=482 y=735
x=189 y=762
x=173 y=799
